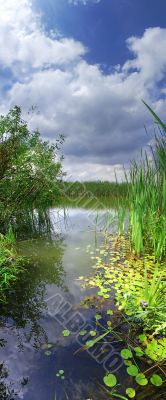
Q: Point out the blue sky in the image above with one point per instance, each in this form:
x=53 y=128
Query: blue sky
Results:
x=86 y=65
x=103 y=27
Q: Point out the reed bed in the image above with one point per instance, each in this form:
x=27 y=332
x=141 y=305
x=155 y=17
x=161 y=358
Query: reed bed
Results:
x=147 y=197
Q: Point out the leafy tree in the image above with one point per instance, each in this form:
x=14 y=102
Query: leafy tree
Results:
x=29 y=166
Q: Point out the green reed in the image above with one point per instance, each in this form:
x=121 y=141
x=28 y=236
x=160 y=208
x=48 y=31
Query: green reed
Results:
x=147 y=197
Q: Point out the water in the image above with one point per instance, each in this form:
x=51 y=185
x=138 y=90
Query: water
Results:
x=33 y=348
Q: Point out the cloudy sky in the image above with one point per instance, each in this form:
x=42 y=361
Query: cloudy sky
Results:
x=86 y=65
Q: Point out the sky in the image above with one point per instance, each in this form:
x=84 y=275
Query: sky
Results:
x=86 y=65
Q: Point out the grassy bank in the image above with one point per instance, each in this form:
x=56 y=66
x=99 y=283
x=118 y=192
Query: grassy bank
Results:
x=92 y=195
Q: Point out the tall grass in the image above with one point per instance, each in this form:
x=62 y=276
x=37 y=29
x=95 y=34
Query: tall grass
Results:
x=147 y=197
x=97 y=188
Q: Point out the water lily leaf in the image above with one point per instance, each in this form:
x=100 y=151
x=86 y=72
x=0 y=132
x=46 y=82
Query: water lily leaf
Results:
x=132 y=370
x=139 y=351
x=83 y=332
x=130 y=392
x=142 y=337
x=61 y=371
x=66 y=333
x=109 y=312
x=110 y=380
x=156 y=380
x=98 y=316
x=127 y=362
x=141 y=379
x=93 y=333
x=90 y=343
x=126 y=353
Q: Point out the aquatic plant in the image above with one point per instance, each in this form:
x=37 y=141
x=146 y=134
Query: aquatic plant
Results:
x=11 y=264
x=147 y=196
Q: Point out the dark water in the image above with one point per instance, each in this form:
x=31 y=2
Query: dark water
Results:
x=43 y=304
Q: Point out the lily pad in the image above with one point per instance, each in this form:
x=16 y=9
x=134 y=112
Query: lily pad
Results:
x=138 y=351
x=141 y=379
x=130 y=392
x=83 y=332
x=126 y=353
x=66 y=333
x=110 y=380
x=156 y=380
x=132 y=370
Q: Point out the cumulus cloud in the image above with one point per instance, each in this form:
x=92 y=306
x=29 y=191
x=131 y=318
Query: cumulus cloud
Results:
x=101 y=115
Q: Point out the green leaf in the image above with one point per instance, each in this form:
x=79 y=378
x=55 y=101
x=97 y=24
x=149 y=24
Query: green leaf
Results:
x=110 y=380
x=83 y=332
x=132 y=370
x=130 y=392
x=93 y=333
x=61 y=371
x=109 y=312
x=156 y=380
x=126 y=353
x=127 y=362
x=97 y=316
x=142 y=337
x=89 y=343
x=141 y=379
x=66 y=333
x=138 y=351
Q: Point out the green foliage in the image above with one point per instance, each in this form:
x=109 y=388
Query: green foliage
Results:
x=98 y=189
x=147 y=197
x=29 y=169
x=66 y=333
x=141 y=379
x=60 y=374
x=132 y=370
x=130 y=392
x=156 y=349
x=156 y=380
x=110 y=380
x=11 y=264
x=126 y=353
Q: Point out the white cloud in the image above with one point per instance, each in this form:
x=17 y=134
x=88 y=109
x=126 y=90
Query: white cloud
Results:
x=101 y=115
x=24 y=46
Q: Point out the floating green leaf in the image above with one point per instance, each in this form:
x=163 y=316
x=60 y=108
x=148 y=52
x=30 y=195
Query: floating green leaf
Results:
x=156 y=380
x=132 y=370
x=142 y=337
x=90 y=343
x=93 y=333
x=66 y=333
x=130 y=392
x=126 y=353
x=83 y=332
x=141 y=379
x=110 y=380
x=61 y=371
x=109 y=312
x=138 y=351
x=97 y=316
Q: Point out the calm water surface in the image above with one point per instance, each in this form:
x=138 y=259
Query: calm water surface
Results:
x=33 y=348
